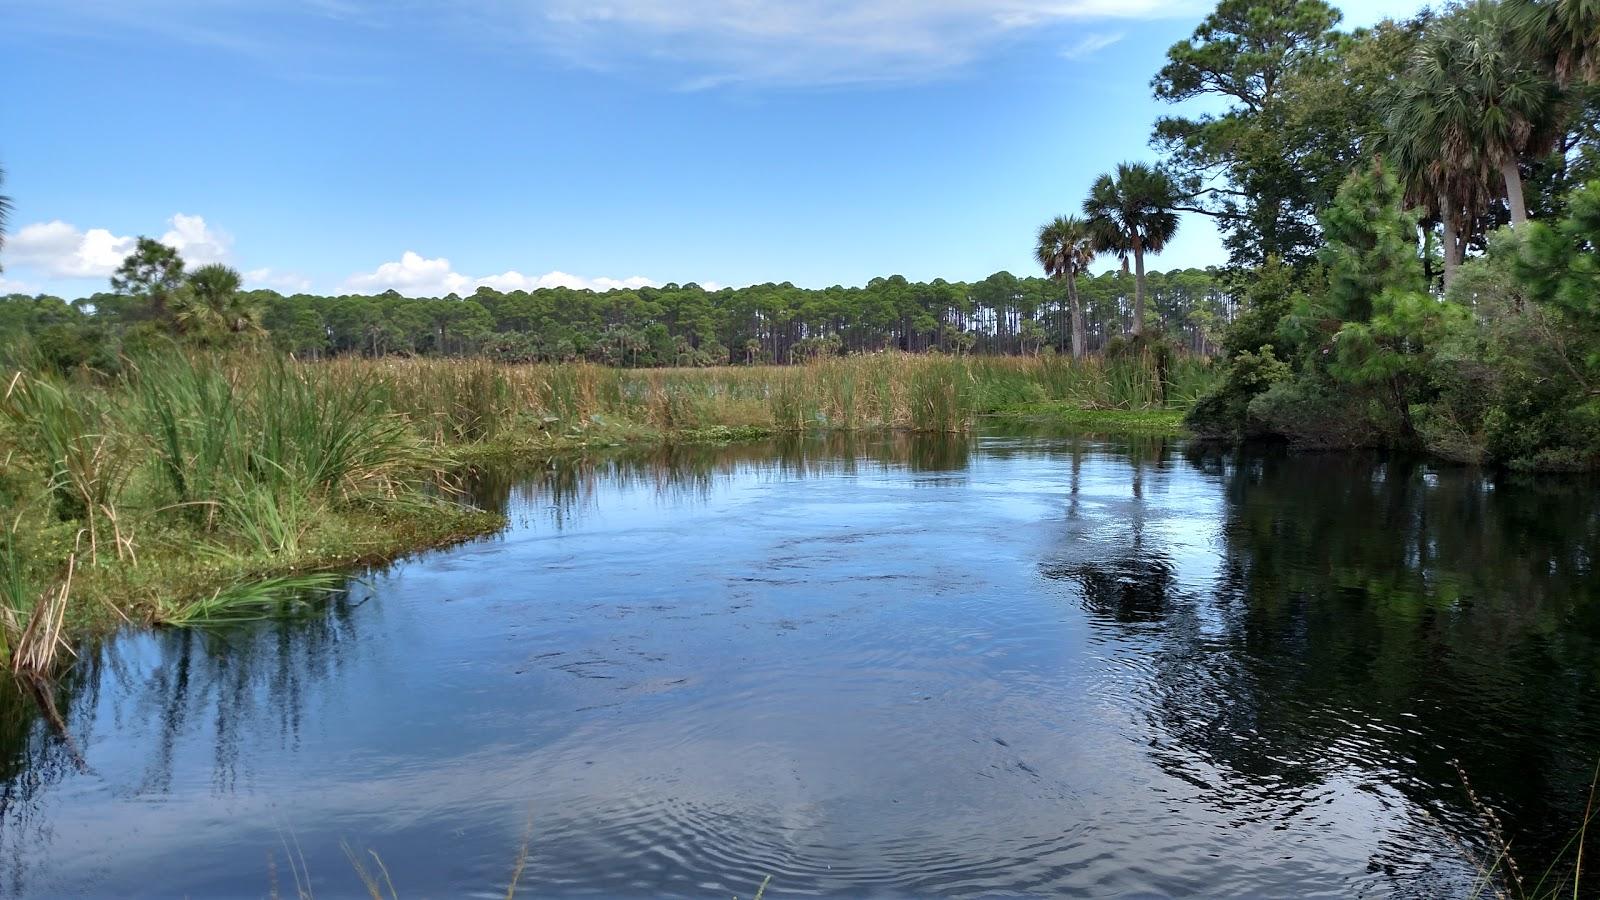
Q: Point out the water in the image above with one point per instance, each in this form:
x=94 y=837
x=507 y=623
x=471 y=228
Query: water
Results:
x=911 y=667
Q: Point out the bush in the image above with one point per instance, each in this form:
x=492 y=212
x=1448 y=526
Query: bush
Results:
x=1319 y=414
x=1224 y=411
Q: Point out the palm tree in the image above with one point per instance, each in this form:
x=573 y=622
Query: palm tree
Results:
x=1566 y=33
x=211 y=305
x=1132 y=214
x=1454 y=196
x=1066 y=248
x=1474 y=104
x=5 y=215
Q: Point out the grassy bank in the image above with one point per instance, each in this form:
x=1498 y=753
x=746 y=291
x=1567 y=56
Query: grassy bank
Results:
x=174 y=491
x=480 y=408
x=168 y=494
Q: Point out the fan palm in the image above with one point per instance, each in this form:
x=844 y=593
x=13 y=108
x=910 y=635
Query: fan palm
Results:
x=1066 y=248
x=1131 y=214
x=1455 y=196
x=1474 y=104
x=1566 y=33
x=211 y=305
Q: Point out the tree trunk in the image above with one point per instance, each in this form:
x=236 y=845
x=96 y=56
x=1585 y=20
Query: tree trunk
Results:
x=1138 y=288
x=1078 y=337
x=1427 y=256
x=1514 y=198
x=1452 y=243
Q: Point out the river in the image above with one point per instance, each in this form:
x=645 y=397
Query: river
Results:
x=899 y=666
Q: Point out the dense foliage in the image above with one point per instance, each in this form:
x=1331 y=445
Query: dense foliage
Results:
x=666 y=326
x=1413 y=212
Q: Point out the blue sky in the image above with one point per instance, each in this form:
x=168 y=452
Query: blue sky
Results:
x=339 y=145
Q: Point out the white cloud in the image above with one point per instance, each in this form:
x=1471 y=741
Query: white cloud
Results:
x=417 y=276
x=198 y=243
x=812 y=42
x=282 y=282
x=1090 y=44
x=411 y=275
x=59 y=249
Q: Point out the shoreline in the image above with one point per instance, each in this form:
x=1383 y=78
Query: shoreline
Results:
x=111 y=596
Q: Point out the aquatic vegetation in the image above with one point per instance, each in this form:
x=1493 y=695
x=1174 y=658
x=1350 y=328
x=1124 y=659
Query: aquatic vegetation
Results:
x=32 y=617
x=71 y=438
x=378 y=884
x=580 y=404
x=177 y=484
x=251 y=600
x=1504 y=877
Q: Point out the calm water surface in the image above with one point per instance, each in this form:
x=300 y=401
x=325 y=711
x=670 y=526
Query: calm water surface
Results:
x=895 y=667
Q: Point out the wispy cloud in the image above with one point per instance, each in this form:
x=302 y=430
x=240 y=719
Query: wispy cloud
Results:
x=693 y=44
x=813 y=42
x=1090 y=44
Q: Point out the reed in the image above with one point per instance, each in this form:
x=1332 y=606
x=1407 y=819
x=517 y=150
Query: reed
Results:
x=253 y=448
x=204 y=470
x=251 y=600
x=72 y=440
x=1503 y=877
x=376 y=882
x=32 y=609
x=466 y=402
x=36 y=642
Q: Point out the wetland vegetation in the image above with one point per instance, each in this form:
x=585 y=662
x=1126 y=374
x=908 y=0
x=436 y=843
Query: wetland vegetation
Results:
x=1412 y=217
x=163 y=493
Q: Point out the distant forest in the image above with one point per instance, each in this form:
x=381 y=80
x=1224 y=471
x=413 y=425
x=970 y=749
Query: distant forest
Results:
x=673 y=325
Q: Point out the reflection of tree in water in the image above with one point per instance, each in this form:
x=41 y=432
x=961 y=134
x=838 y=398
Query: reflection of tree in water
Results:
x=244 y=683
x=1129 y=590
x=36 y=754
x=1126 y=581
x=1382 y=617
x=563 y=488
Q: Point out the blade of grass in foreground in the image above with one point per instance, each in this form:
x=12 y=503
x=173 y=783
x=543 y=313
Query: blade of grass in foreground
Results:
x=251 y=601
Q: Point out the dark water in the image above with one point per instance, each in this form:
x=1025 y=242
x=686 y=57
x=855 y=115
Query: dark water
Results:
x=898 y=667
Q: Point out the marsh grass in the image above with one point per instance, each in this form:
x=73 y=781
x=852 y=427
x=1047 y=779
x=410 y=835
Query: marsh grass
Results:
x=163 y=494
x=219 y=435
x=584 y=404
x=1502 y=876
x=32 y=616
x=71 y=438
x=165 y=489
x=252 y=600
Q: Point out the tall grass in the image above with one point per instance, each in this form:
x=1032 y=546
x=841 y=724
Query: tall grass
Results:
x=225 y=467
x=219 y=467
x=254 y=448
x=1503 y=877
x=872 y=391
x=376 y=882
x=71 y=438
x=32 y=613
x=252 y=600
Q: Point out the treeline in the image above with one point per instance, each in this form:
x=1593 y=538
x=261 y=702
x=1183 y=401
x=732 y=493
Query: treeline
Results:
x=674 y=325
x=1412 y=213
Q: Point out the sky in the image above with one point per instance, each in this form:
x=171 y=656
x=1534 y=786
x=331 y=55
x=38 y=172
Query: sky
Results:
x=432 y=146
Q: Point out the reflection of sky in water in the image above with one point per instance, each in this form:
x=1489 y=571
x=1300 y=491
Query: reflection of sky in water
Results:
x=870 y=669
